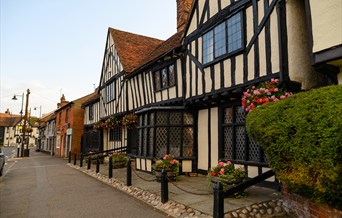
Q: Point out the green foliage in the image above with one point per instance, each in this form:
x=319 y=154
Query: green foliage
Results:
x=302 y=139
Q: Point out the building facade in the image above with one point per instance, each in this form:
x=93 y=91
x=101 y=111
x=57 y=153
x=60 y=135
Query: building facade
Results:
x=186 y=90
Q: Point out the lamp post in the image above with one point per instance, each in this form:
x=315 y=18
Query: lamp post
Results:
x=39 y=130
x=21 y=117
x=24 y=125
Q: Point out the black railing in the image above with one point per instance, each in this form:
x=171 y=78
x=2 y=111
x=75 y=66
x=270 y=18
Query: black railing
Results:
x=219 y=195
x=164 y=179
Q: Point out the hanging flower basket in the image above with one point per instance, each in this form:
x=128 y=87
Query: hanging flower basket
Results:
x=98 y=125
x=264 y=93
x=130 y=121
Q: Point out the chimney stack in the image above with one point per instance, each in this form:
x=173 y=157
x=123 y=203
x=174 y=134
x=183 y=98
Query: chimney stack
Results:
x=183 y=11
x=62 y=103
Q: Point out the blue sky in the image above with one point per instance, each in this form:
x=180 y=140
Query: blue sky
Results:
x=55 y=47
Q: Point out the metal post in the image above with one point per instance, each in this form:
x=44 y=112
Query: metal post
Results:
x=18 y=149
x=89 y=163
x=69 y=156
x=110 y=168
x=81 y=160
x=218 y=200
x=164 y=187
x=129 y=173
x=75 y=157
x=97 y=164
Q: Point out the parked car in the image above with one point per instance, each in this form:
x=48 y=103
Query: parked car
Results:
x=2 y=163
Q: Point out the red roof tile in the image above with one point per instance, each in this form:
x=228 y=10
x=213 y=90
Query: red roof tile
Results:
x=7 y=120
x=165 y=47
x=132 y=48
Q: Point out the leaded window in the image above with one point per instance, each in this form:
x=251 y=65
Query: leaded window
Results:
x=91 y=112
x=164 y=77
x=234 y=33
x=110 y=91
x=115 y=134
x=224 y=39
x=220 y=39
x=235 y=143
x=162 y=132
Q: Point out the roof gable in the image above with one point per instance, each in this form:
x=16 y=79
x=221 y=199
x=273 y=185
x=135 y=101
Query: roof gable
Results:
x=132 y=48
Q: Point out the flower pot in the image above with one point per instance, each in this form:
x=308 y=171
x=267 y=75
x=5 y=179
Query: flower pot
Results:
x=119 y=164
x=169 y=175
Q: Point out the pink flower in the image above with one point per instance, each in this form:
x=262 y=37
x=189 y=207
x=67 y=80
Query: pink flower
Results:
x=173 y=161
x=222 y=171
x=221 y=163
x=256 y=92
x=228 y=162
x=276 y=89
x=282 y=97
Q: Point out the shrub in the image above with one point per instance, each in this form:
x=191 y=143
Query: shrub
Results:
x=302 y=139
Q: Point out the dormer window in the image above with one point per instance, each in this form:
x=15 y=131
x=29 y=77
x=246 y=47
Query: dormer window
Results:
x=164 y=78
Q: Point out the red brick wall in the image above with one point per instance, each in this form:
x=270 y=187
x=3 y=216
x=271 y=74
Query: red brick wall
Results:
x=304 y=207
x=183 y=11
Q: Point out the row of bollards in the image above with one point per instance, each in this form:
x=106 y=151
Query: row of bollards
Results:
x=164 y=179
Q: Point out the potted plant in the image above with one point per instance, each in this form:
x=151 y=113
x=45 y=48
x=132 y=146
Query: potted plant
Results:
x=119 y=160
x=262 y=94
x=130 y=120
x=93 y=157
x=169 y=164
x=226 y=174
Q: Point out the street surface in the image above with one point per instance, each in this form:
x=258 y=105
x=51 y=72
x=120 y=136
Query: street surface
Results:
x=43 y=186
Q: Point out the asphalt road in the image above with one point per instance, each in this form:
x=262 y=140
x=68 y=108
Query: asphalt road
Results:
x=43 y=186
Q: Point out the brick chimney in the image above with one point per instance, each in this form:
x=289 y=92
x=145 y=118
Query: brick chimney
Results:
x=63 y=102
x=183 y=11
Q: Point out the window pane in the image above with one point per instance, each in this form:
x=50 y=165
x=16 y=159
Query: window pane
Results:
x=164 y=77
x=234 y=32
x=175 y=140
x=157 y=80
x=172 y=80
x=188 y=142
x=220 y=40
x=208 y=47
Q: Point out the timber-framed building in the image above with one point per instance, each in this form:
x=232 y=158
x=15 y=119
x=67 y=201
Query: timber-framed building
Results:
x=187 y=89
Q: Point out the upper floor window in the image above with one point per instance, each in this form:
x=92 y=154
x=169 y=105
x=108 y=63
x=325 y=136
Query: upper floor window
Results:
x=67 y=115
x=110 y=91
x=91 y=112
x=164 y=77
x=225 y=38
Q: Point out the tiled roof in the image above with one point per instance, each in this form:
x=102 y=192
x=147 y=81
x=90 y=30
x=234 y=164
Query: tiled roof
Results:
x=133 y=48
x=7 y=120
x=167 y=46
x=94 y=97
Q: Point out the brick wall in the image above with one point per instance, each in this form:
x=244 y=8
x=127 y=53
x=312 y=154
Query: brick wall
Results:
x=304 y=207
x=183 y=11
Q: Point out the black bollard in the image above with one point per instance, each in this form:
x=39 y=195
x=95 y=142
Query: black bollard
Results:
x=18 y=152
x=218 y=201
x=129 y=173
x=81 y=160
x=97 y=164
x=164 y=187
x=110 y=168
x=89 y=163
x=75 y=157
x=69 y=156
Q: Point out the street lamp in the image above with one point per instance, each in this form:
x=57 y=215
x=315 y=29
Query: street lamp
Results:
x=39 y=130
x=24 y=126
x=21 y=116
x=22 y=102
